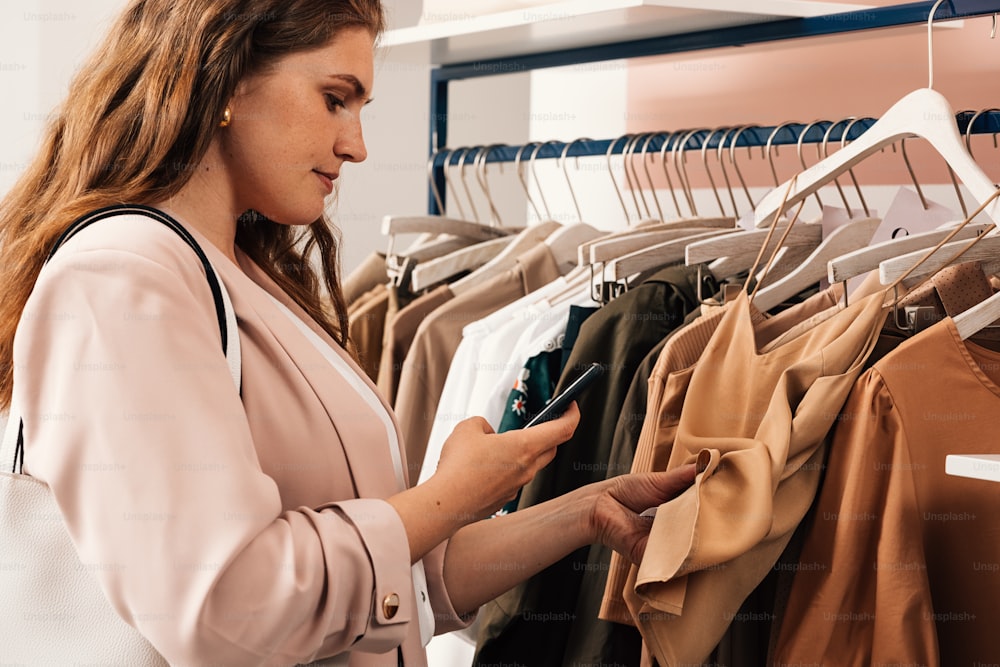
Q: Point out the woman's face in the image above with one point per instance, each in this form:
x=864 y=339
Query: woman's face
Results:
x=295 y=125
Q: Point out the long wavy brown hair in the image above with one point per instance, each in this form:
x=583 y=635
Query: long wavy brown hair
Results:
x=141 y=111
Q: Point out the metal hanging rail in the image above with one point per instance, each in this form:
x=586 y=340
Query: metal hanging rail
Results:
x=795 y=28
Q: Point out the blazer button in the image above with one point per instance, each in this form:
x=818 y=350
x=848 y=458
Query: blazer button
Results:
x=390 y=605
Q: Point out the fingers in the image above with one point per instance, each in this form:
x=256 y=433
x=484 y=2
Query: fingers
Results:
x=673 y=482
x=641 y=491
x=560 y=429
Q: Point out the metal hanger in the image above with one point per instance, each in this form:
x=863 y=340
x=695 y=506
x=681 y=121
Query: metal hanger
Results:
x=720 y=150
x=534 y=173
x=680 y=160
x=736 y=167
x=802 y=160
x=826 y=154
x=440 y=235
x=671 y=136
x=850 y=172
x=704 y=162
x=481 y=161
x=611 y=174
x=645 y=157
x=520 y=177
x=631 y=177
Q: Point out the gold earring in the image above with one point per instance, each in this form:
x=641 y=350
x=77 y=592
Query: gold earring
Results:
x=227 y=117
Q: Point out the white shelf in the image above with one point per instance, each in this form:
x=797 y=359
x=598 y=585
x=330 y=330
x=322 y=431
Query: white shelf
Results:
x=979 y=466
x=581 y=23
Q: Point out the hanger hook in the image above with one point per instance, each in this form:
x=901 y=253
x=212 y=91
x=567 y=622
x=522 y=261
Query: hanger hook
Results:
x=644 y=139
x=433 y=181
x=611 y=173
x=627 y=160
x=968 y=128
x=450 y=183
x=736 y=167
x=850 y=172
x=802 y=160
x=663 y=163
x=720 y=149
x=481 y=160
x=569 y=184
x=645 y=167
x=520 y=177
x=465 y=185
x=913 y=176
x=534 y=172
x=930 y=44
x=704 y=162
x=680 y=158
x=826 y=152
x=768 y=146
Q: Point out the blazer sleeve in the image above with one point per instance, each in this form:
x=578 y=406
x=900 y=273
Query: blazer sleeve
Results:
x=132 y=419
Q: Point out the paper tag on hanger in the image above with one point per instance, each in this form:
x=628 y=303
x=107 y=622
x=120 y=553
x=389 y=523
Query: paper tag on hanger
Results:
x=834 y=218
x=906 y=216
x=747 y=221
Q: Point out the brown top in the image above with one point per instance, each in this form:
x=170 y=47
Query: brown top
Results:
x=756 y=421
x=365 y=326
x=900 y=563
x=398 y=336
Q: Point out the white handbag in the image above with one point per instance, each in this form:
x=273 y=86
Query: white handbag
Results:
x=52 y=610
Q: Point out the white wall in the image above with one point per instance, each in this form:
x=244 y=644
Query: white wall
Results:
x=43 y=42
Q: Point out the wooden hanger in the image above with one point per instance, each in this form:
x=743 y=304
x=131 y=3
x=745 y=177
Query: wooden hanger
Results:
x=747 y=243
x=656 y=256
x=982 y=314
x=923 y=113
x=842 y=240
x=888 y=256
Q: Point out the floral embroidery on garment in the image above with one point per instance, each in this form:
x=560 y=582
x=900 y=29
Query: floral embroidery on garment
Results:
x=519 y=394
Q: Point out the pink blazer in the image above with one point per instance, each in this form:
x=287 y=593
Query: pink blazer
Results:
x=229 y=532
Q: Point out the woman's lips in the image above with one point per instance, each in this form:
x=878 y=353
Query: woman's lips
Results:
x=326 y=179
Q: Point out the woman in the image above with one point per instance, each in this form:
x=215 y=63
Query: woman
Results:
x=273 y=527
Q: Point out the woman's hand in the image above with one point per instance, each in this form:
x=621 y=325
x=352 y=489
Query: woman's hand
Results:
x=478 y=472
x=483 y=470
x=614 y=517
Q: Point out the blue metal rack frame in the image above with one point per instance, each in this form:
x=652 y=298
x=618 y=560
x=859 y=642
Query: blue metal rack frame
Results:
x=846 y=22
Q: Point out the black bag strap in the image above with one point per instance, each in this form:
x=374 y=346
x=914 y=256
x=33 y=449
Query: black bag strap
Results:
x=156 y=214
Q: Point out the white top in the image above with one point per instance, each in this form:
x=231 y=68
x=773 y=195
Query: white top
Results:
x=426 y=613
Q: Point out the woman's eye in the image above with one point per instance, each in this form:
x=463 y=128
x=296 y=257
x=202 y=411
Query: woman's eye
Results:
x=333 y=102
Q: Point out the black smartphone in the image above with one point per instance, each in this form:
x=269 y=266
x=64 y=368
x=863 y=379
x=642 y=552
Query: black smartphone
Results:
x=554 y=408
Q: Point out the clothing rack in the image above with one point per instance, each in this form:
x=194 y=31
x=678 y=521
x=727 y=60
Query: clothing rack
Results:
x=732 y=137
x=739 y=35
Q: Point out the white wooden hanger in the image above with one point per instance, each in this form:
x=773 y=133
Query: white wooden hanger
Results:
x=885 y=255
x=656 y=256
x=987 y=311
x=748 y=243
x=844 y=239
x=923 y=113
